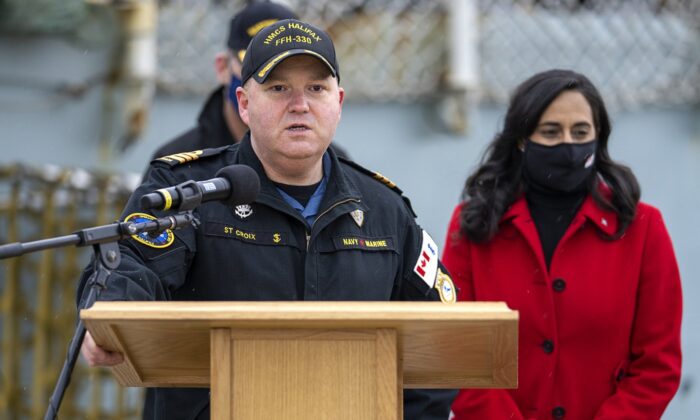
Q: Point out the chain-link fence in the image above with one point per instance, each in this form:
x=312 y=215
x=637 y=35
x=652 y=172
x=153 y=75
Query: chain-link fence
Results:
x=638 y=52
x=37 y=291
x=388 y=49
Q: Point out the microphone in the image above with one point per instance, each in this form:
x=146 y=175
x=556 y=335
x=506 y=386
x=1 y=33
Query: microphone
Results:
x=234 y=185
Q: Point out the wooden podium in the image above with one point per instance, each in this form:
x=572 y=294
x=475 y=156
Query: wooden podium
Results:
x=309 y=360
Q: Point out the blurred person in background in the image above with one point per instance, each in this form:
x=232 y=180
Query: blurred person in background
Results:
x=219 y=123
x=321 y=229
x=553 y=226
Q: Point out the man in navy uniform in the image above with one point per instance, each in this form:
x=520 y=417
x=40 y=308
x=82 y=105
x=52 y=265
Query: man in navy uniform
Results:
x=321 y=228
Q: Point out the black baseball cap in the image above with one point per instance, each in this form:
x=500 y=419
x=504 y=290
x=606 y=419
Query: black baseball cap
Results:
x=282 y=40
x=249 y=21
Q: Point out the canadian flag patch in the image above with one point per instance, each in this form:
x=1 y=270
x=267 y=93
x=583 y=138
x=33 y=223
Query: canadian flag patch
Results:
x=427 y=264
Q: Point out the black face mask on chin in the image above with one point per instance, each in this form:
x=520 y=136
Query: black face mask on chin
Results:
x=562 y=168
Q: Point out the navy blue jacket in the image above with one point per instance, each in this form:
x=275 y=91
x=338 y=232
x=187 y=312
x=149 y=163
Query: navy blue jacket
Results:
x=267 y=251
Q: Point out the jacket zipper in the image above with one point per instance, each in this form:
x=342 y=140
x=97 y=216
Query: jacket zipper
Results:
x=308 y=234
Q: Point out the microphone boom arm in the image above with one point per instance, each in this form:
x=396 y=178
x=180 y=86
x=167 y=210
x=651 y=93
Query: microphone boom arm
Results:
x=99 y=234
x=103 y=239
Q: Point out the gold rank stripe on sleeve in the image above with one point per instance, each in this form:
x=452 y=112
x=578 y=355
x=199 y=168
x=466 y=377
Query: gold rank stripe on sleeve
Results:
x=182 y=157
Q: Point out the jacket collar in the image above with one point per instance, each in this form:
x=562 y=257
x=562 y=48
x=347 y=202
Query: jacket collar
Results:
x=339 y=188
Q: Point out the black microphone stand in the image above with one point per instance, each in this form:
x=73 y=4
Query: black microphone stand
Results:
x=103 y=240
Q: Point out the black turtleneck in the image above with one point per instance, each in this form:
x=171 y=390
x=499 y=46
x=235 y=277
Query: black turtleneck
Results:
x=552 y=212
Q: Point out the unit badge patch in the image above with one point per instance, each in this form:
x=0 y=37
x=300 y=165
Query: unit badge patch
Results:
x=243 y=211
x=163 y=240
x=358 y=216
x=445 y=287
x=427 y=264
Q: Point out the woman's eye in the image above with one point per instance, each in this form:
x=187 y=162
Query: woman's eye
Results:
x=549 y=133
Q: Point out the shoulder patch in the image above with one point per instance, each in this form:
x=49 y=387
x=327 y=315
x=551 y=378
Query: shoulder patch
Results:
x=164 y=238
x=445 y=287
x=381 y=178
x=184 y=157
x=427 y=265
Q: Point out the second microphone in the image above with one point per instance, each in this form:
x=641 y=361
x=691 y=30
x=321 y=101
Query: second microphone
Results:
x=234 y=185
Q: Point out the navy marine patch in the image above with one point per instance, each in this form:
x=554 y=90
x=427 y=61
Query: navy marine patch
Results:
x=163 y=240
x=364 y=243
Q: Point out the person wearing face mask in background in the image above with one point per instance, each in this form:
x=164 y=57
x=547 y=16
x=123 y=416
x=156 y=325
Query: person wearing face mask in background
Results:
x=553 y=226
x=219 y=123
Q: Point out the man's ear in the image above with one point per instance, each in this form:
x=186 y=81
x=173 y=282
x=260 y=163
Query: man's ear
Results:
x=242 y=97
x=341 y=98
x=341 y=94
x=222 y=68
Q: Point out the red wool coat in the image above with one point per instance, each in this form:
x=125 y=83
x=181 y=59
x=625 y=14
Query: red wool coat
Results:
x=599 y=333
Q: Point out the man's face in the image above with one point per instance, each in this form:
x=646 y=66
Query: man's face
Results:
x=294 y=114
x=226 y=65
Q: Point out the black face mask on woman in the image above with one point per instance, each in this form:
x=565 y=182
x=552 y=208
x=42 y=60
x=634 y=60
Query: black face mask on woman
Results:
x=562 y=168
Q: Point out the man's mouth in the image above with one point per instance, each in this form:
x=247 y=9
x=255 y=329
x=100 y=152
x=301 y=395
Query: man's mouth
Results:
x=298 y=127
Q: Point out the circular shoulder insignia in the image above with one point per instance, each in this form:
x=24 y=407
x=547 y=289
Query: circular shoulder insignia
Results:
x=445 y=287
x=163 y=240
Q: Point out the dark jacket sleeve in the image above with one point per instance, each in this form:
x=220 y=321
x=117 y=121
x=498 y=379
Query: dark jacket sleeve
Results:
x=146 y=272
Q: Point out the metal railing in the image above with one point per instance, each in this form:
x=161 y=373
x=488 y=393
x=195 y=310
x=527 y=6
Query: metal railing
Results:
x=37 y=291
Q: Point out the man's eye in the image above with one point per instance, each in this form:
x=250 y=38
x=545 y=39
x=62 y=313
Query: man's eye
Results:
x=277 y=88
x=316 y=88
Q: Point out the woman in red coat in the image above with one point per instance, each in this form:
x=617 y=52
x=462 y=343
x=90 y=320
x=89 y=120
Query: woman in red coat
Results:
x=553 y=226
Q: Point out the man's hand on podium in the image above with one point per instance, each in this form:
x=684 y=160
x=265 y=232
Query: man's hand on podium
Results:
x=96 y=355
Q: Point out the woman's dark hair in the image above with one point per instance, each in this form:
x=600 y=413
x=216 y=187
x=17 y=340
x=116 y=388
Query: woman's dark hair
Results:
x=497 y=182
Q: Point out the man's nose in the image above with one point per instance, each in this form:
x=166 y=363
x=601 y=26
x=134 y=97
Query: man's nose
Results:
x=298 y=102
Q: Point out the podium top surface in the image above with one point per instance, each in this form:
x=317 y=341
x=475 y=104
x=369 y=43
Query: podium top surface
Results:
x=465 y=344
x=295 y=311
